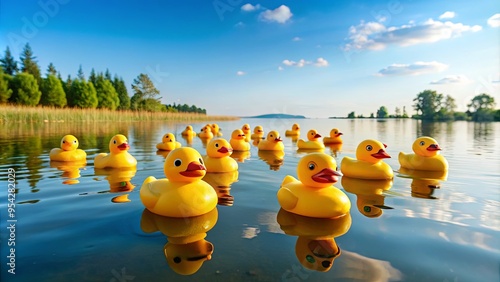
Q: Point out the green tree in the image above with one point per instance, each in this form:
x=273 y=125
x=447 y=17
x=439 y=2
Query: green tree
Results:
x=8 y=63
x=80 y=75
x=5 y=91
x=67 y=87
x=121 y=90
x=29 y=63
x=52 y=92
x=145 y=94
x=51 y=69
x=382 y=112
x=93 y=76
x=405 y=114
x=483 y=107
x=107 y=75
x=25 y=89
x=351 y=115
x=106 y=93
x=397 y=112
x=428 y=103
x=82 y=94
x=447 y=110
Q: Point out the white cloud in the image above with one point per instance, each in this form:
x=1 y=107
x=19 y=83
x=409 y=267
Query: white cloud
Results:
x=447 y=15
x=320 y=62
x=376 y=36
x=451 y=79
x=494 y=21
x=250 y=8
x=280 y=15
x=280 y=68
x=416 y=68
x=240 y=73
x=296 y=38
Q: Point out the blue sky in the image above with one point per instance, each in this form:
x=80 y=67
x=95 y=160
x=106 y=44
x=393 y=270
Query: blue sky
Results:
x=232 y=57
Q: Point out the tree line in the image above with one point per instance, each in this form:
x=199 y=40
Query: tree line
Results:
x=432 y=106
x=23 y=84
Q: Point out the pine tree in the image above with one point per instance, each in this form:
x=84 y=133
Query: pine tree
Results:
x=80 y=75
x=106 y=93
x=107 y=75
x=5 y=91
x=25 y=89
x=145 y=94
x=29 y=63
x=53 y=92
x=93 y=76
x=122 y=92
x=51 y=69
x=8 y=63
x=82 y=94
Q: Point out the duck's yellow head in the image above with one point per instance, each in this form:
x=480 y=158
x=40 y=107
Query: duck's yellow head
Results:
x=371 y=151
x=273 y=136
x=184 y=165
x=118 y=143
x=317 y=170
x=169 y=137
x=258 y=130
x=313 y=135
x=69 y=143
x=238 y=135
x=189 y=128
x=335 y=132
x=246 y=128
x=215 y=127
x=206 y=129
x=218 y=148
x=426 y=147
x=295 y=127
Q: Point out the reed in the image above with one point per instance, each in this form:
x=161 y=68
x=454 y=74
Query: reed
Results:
x=25 y=114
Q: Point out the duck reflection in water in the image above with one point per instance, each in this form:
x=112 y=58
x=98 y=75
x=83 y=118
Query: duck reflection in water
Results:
x=335 y=149
x=186 y=249
x=119 y=180
x=273 y=158
x=221 y=182
x=370 y=194
x=424 y=183
x=71 y=170
x=315 y=248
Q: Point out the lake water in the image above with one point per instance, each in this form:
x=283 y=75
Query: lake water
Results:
x=79 y=224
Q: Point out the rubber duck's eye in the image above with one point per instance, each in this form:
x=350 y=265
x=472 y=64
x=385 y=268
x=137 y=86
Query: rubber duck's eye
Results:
x=74 y=141
x=422 y=143
x=201 y=160
x=311 y=165
x=64 y=141
x=326 y=264
x=310 y=259
x=114 y=141
x=367 y=209
x=177 y=162
x=369 y=147
x=177 y=260
x=271 y=136
x=217 y=145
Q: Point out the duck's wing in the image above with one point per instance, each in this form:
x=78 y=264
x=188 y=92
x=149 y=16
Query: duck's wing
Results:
x=286 y=198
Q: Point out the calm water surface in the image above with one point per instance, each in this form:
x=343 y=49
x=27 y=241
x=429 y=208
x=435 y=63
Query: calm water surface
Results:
x=79 y=224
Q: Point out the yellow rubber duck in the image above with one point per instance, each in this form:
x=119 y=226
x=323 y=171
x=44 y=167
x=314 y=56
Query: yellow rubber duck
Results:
x=370 y=194
x=69 y=151
x=215 y=129
x=272 y=142
x=369 y=162
x=186 y=249
x=273 y=158
x=238 y=142
x=218 y=156
x=206 y=132
x=295 y=131
x=168 y=143
x=258 y=132
x=188 y=132
x=247 y=131
x=182 y=193
x=118 y=156
x=335 y=137
x=315 y=248
x=313 y=194
x=426 y=156
x=313 y=141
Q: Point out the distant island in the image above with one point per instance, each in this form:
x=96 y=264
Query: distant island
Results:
x=277 y=116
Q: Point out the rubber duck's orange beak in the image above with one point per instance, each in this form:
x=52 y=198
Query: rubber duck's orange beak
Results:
x=317 y=135
x=327 y=175
x=123 y=146
x=381 y=154
x=194 y=169
x=278 y=139
x=433 y=147
x=224 y=150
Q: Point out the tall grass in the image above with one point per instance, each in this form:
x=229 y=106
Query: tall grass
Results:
x=24 y=114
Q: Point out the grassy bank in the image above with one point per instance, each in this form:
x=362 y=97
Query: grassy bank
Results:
x=23 y=114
